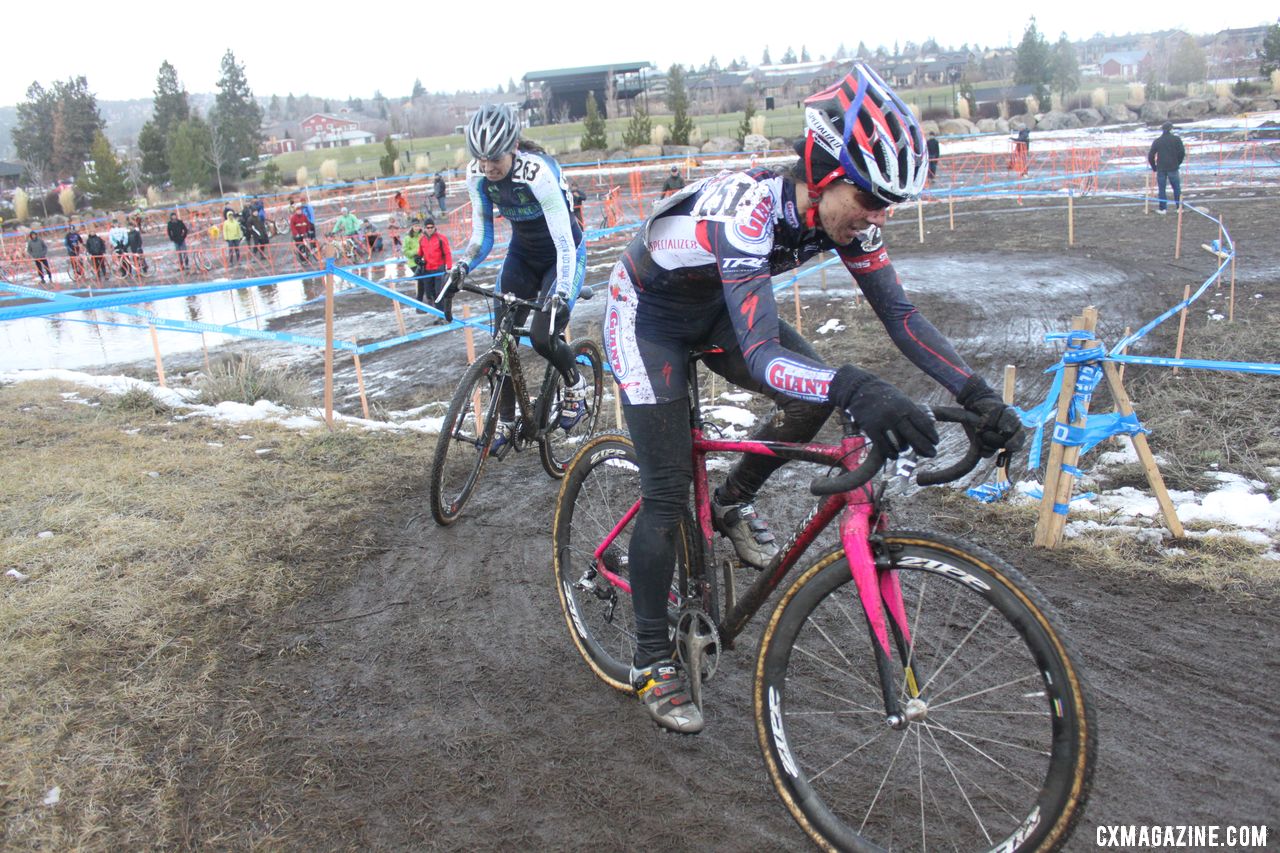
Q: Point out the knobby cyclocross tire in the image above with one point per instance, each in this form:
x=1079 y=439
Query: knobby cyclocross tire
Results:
x=1002 y=758
x=557 y=447
x=463 y=444
x=601 y=484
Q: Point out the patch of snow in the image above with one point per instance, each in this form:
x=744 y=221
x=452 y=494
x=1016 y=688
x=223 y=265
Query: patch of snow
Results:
x=832 y=325
x=733 y=415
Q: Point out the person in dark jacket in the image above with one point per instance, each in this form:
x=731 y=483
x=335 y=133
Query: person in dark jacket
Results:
x=177 y=231
x=1165 y=158
x=135 y=244
x=97 y=249
x=439 y=190
x=673 y=182
x=935 y=152
x=1021 y=160
x=39 y=252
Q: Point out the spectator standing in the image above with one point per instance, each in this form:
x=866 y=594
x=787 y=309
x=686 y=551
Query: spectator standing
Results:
x=119 y=238
x=39 y=252
x=935 y=154
x=255 y=231
x=136 y=256
x=97 y=249
x=75 y=248
x=232 y=233
x=1165 y=158
x=578 y=200
x=410 y=249
x=673 y=182
x=439 y=190
x=437 y=258
x=371 y=236
x=301 y=230
x=177 y=231
x=1021 y=152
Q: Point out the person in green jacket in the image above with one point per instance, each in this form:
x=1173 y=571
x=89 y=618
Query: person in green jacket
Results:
x=233 y=234
x=414 y=260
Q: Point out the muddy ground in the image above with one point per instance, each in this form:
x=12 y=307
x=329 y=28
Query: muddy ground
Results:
x=434 y=700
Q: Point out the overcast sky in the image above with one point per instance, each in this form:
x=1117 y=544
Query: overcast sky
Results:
x=307 y=48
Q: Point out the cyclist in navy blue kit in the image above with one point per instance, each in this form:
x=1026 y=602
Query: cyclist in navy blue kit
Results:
x=699 y=274
x=546 y=259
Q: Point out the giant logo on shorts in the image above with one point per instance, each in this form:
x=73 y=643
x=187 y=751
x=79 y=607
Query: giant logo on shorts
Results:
x=799 y=380
x=612 y=344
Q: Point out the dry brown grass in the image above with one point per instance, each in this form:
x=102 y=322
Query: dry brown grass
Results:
x=167 y=552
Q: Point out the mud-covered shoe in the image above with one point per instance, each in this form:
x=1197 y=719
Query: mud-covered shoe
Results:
x=575 y=404
x=662 y=689
x=750 y=535
x=503 y=438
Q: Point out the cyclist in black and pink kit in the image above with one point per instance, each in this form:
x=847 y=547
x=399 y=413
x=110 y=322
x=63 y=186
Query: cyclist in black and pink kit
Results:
x=699 y=274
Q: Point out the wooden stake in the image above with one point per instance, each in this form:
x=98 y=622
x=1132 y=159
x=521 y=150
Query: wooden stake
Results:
x=328 y=348
x=1071 y=218
x=920 y=217
x=822 y=285
x=1128 y=330
x=155 y=345
x=1177 y=243
x=1145 y=456
x=617 y=406
x=1057 y=483
x=395 y=306
x=468 y=334
x=1182 y=325
x=1231 y=300
x=1010 y=376
x=205 y=346
x=951 y=213
x=795 y=292
x=364 y=401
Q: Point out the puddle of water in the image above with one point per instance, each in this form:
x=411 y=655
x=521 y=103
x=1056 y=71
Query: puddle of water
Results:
x=104 y=337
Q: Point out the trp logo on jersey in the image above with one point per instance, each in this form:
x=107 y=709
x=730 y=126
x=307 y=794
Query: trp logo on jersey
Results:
x=799 y=380
x=742 y=264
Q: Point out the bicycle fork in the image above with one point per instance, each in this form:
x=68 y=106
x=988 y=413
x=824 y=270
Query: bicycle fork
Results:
x=880 y=595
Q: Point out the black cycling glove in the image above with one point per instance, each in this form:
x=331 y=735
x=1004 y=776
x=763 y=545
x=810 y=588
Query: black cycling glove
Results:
x=889 y=418
x=1000 y=428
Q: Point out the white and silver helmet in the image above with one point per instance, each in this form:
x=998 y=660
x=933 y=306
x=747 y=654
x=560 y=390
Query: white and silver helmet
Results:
x=492 y=132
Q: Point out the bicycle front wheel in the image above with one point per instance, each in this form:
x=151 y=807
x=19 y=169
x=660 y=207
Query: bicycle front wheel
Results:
x=558 y=445
x=465 y=436
x=600 y=489
x=997 y=748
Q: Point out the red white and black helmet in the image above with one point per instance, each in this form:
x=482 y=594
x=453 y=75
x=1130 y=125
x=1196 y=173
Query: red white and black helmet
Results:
x=859 y=131
x=492 y=132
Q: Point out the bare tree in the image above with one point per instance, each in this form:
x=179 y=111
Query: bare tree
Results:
x=219 y=146
x=38 y=173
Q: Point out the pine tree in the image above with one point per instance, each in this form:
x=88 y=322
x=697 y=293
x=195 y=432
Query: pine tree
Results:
x=187 y=153
x=678 y=102
x=804 y=54
x=388 y=161
x=418 y=91
x=273 y=109
x=1066 y=68
x=105 y=182
x=744 y=129
x=594 y=135
x=235 y=120
x=639 y=129
x=1032 y=65
x=291 y=107
x=764 y=58
x=56 y=127
x=1269 y=53
x=170 y=105
x=271 y=176
x=170 y=108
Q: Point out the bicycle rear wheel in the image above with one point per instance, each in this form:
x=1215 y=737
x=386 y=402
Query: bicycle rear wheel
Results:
x=998 y=749
x=601 y=486
x=558 y=445
x=465 y=436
